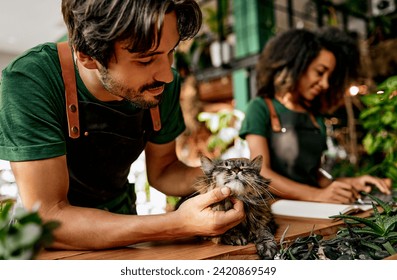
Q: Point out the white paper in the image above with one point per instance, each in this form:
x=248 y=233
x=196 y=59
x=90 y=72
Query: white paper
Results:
x=315 y=210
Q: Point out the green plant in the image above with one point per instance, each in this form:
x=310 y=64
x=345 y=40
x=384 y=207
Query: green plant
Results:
x=379 y=119
x=22 y=233
x=224 y=126
x=380 y=228
x=302 y=248
x=215 y=17
x=374 y=237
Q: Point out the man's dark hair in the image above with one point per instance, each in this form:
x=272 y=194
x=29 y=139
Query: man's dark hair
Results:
x=94 y=26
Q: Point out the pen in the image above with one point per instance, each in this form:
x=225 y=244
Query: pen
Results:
x=327 y=175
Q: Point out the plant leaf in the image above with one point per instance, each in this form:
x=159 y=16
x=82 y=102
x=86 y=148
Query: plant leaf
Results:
x=369 y=111
x=387 y=208
x=390 y=223
x=367 y=222
x=371 y=245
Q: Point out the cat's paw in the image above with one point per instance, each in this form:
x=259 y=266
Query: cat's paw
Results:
x=234 y=238
x=266 y=249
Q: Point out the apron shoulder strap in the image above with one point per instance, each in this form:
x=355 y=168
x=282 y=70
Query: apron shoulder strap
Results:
x=72 y=108
x=274 y=120
x=155 y=114
x=69 y=80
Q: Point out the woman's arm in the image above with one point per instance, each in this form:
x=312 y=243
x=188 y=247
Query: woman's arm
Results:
x=336 y=192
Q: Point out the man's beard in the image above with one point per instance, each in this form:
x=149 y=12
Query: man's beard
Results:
x=136 y=97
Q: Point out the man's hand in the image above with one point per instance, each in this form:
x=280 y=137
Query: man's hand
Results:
x=196 y=214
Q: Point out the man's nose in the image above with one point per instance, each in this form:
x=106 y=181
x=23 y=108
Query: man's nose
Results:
x=164 y=72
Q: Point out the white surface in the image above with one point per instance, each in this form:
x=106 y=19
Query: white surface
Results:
x=26 y=23
x=316 y=210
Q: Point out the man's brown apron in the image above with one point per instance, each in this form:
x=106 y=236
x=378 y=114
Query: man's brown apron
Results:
x=102 y=145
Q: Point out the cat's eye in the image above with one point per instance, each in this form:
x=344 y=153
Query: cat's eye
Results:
x=246 y=167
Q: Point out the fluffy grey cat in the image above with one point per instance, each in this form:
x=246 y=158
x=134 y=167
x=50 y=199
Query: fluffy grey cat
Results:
x=243 y=177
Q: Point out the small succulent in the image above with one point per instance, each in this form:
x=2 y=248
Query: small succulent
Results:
x=369 y=238
x=22 y=233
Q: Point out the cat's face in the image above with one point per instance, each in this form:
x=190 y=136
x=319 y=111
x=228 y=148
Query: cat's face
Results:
x=238 y=174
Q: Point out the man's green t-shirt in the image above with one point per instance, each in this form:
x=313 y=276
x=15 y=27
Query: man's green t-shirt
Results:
x=32 y=107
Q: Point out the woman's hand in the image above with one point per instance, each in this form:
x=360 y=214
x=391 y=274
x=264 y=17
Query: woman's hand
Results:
x=338 y=192
x=346 y=190
x=364 y=183
x=199 y=219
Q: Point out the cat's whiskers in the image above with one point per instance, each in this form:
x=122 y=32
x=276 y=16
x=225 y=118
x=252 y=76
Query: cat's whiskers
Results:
x=256 y=187
x=265 y=188
x=269 y=186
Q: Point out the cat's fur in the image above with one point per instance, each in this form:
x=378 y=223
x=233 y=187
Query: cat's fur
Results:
x=243 y=177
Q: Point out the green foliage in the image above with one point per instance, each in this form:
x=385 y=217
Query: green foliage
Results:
x=212 y=16
x=379 y=119
x=22 y=233
x=357 y=6
x=224 y=126
x=379 y=227
x=369 y=238
x=172 y=200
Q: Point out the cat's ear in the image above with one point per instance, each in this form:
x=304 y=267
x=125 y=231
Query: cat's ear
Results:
x=256 y=163
x=206 y=165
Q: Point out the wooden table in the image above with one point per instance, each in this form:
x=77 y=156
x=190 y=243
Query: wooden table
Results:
x=195 y=249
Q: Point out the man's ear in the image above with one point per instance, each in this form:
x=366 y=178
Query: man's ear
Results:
x=86 y=60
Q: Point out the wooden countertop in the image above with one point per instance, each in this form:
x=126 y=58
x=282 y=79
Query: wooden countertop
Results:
x=196 y=249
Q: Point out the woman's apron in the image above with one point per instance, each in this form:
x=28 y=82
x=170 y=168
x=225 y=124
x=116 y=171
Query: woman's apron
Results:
x=296 y=145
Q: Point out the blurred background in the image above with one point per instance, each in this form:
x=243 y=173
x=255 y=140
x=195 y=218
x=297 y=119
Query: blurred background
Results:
x=218 y=70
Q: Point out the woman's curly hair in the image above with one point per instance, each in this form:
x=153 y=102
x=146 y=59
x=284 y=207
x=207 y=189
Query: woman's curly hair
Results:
x=287 y=56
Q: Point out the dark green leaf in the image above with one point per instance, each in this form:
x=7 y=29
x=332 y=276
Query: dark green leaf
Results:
x=369 y=111
x=388 y=117
x=365 y=221
x=371 y=100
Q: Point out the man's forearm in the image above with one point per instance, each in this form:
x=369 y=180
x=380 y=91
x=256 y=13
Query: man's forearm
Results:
x=88 y=228
x=177 y=179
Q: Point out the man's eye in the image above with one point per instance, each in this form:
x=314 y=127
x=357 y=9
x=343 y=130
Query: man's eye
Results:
x=144 y=63
x=171 y=53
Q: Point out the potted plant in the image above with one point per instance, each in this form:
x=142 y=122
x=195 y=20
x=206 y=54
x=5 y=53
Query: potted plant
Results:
x=369 y=238
x=22 y=233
